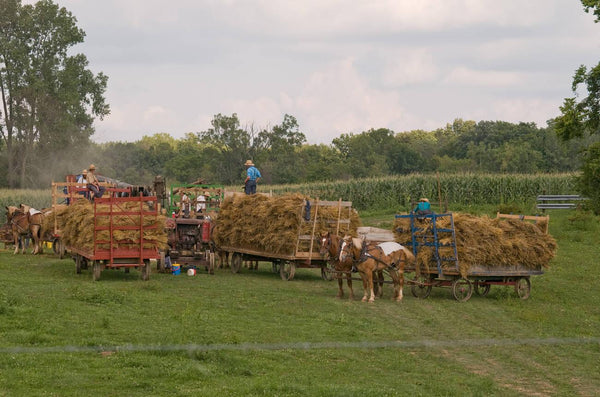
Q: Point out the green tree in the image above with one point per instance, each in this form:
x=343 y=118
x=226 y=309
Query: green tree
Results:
x=49 y=98
x=581 y=117
x=279 y=147
x=230 y=146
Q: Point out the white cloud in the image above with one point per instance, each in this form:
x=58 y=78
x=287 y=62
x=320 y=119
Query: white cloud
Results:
x=489 y=78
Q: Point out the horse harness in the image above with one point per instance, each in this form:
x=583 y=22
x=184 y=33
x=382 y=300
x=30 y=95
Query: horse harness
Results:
x=365 y=254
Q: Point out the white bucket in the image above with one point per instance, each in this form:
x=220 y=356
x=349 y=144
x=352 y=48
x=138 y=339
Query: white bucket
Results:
x=191 y=272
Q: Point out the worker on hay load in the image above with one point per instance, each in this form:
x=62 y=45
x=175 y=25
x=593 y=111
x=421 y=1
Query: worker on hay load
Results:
x=201 y=204
x=423 y=207
x=82 y=183
x=185 y=205
x=252 y=177
x=93 y=184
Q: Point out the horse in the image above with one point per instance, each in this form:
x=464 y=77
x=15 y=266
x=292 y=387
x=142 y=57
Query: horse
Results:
x=25 y=221
x=371 y=257
x=331 y=247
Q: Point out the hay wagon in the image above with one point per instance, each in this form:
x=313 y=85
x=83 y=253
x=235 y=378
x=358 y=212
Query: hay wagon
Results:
x=435 y=232
x=303 y=252
x=120 y=236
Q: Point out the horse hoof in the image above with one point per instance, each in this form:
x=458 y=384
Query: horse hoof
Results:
x=364 y=299
x=371 y=300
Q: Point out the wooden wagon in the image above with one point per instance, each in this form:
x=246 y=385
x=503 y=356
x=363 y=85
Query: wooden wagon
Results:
x=107 y=251
x=305 y=251
x=437 y=234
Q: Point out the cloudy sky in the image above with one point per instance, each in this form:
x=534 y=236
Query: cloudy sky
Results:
x=338 y=66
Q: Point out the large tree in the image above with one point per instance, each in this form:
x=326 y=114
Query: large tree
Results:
x=49 y=98
x=580 y=117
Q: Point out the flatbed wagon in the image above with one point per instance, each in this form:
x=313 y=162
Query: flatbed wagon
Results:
x=306 y=248
x=427 y=232
x=107 y=251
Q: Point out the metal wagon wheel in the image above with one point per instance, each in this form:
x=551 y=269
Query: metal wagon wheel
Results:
x=78 y=263
x=421 y=287
x=326 y=273
x=146 y=270
x=287 y=270
x=236 y=262
x=523 y=287
x=462 y=289
x=482 y=289
x=97 y=270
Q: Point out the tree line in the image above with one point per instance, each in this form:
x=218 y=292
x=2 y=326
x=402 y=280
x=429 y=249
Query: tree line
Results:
x=282 y=153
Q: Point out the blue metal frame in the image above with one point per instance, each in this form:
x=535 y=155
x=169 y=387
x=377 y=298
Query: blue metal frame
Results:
x=432 y=238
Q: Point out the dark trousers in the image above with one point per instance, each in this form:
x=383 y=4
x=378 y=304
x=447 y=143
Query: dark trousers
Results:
x=250 y=187
x=98 y=191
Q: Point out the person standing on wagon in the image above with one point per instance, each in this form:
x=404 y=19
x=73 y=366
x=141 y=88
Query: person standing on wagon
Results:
x=252 y=177
x=93 y=184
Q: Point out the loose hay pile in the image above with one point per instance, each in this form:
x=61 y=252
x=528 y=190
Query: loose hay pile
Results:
x=272 y=224
x=76 y=225
x=486 y=242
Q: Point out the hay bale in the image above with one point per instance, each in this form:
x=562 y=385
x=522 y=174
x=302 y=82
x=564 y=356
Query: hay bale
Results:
x=77 y=226
x=272 y=224
x=484 y=241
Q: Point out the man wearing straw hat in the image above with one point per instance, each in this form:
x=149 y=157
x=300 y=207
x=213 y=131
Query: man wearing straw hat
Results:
x=252 y=177
x=423 y=207
x=93 y=184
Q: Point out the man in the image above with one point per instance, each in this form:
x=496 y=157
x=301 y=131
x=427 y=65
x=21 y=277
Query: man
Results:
x=93 y=184
x=423 y=207
x=82 y=183
x=185 y=205
x=253 y=175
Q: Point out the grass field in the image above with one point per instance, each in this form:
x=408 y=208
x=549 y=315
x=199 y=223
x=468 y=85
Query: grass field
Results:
x=61 y=334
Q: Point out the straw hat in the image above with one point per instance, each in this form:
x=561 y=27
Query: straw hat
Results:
x=84 y=172
x=92 y=167
x=249 y=162
x=424 y=199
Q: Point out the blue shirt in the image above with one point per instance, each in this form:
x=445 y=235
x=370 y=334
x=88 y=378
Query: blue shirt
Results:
x=422 y=206
x=253 y=173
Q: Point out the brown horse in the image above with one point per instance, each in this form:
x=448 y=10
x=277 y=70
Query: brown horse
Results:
x=25 y=222
x=331 y=248
x=371 y=257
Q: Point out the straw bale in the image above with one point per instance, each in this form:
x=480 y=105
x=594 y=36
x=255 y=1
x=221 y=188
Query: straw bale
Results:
x=273 y=224
x=77 y=226
x=484 y=241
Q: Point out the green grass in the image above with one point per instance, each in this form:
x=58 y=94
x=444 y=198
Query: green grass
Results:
x=254 y=334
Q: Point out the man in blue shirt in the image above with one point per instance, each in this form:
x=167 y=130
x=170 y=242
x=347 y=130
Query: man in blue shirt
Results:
x=423 y=207
x=253 y=175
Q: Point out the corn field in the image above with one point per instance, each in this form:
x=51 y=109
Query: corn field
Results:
x=400 y=192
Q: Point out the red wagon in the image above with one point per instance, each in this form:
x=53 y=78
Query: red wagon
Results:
x=116 y=251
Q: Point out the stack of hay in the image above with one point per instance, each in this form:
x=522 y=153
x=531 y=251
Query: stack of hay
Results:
x=272 y=224
x=485 y=241
x=76 y=223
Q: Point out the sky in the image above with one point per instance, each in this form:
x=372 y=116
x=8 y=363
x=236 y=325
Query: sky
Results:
x=337 y=66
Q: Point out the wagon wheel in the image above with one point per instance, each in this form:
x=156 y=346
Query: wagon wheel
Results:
x=523 y=287
x=287 y=271
x=326 y=273
x=97 y=270
x=211 y=263
x=78 y=263
x=421 y=287
x=160 y=264
x=55 y=245
x=236 y=262
x=146 y=271
x=482 y=289
x=462 y=289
